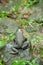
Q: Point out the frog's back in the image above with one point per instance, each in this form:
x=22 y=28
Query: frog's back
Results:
x=20 y=37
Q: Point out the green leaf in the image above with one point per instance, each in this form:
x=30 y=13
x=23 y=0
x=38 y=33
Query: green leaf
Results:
x=41 y=55
x=1 y=62
x=2 y=43
x=12 y=36
x=21 y=62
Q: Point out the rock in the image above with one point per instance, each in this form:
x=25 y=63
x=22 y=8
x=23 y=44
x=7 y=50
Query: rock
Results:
x=39 y=62
x=22 y=53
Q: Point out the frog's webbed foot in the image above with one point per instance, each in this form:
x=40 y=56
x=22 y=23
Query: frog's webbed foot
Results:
x=14 y=51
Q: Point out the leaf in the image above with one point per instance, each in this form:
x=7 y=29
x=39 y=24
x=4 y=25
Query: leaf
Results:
x=15 y=62
x=1 y=62
x=21 y=62
x=12 y=36
x=41 y=55
x=2 y=43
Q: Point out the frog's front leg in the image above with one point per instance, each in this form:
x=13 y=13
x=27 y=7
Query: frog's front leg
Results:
x=26 y=45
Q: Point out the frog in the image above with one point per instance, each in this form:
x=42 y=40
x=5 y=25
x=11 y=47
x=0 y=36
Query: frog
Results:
x=18 y=49
x=20 y=42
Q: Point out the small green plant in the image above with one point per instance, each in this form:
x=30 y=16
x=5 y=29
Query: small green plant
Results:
x=23 y=62
x=9 y=38
x=32 y=2
x=2 y=43
x=1 y=62
x=3 y=14
x=41 y=51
